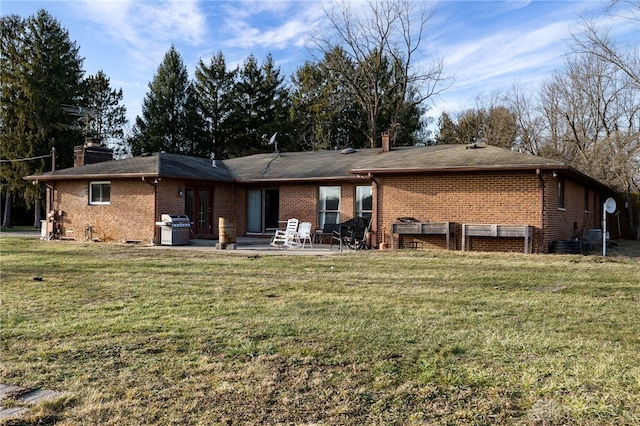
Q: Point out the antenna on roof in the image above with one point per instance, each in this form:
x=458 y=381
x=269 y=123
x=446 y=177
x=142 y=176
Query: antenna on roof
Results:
x=272 y=141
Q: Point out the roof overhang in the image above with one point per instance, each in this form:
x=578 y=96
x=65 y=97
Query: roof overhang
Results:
x=562 y=169
x=355 y=178
x=53 y=177
x=454 y=169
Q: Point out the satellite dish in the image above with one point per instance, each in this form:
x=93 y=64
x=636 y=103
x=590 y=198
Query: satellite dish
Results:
x=610 y=205
x=273 y=138
x=273 y=141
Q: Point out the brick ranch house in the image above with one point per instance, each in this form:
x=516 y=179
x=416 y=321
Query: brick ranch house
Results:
x=409 y=194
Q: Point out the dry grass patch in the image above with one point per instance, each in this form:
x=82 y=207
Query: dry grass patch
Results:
x=178 y=337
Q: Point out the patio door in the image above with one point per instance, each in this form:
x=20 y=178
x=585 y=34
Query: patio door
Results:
x=199 y=208
x=262 y=210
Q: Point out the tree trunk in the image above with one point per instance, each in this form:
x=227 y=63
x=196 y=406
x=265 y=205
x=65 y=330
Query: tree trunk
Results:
x=6 y=219
x=638 y=218
x=629 y=206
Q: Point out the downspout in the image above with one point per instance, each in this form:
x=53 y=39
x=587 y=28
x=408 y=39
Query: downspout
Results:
x=541 y=186
x=374 y=226
x=233 y=208
x=155 y=205
x=49 y=203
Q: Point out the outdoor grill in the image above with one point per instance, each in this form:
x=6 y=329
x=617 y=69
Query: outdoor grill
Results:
x=174 y=229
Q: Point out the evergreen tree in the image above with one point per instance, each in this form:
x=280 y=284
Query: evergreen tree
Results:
x=11 y=119
x=311 y=110
x=447 y=130
x=169 y=121
x=103 y=115
x=494 y=126
x=41 y=72
x=277 y=105
x=324 y=113
x=214 y=86
x=260 y=108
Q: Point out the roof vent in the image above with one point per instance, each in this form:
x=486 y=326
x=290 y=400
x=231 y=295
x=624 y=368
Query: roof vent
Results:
x=348 y=151
x=475 y=145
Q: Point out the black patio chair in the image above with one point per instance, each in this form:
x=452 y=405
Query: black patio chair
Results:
x=351 y=233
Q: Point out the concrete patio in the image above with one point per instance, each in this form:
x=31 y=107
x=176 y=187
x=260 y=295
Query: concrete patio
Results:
x=256 y=246
x=250 y=246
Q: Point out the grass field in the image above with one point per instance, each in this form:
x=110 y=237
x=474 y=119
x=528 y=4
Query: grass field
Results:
x=138 y=336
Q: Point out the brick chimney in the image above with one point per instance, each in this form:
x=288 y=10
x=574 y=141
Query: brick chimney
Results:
x=91 y=152
x=386 y=142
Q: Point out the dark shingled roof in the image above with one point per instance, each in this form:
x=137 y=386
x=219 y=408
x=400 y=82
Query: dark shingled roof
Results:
x=314 y=165
x=157 y=165
x=337 y=165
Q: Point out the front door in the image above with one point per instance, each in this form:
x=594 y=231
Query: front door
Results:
x=199 y=208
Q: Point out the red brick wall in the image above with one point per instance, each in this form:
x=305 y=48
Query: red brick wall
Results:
x=508 y=198
x=299 y=200
x=229 y=202
x=569 y=222
x=129 y=216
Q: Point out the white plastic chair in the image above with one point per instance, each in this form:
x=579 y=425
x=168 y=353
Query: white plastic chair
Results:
x=304 y=233
x=288 y=236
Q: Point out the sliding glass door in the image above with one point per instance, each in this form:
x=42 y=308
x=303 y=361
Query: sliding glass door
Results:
x=262 y=210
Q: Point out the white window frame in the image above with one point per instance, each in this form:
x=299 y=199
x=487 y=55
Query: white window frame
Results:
x=362 y=192
x=323 y=191
x=101 y=201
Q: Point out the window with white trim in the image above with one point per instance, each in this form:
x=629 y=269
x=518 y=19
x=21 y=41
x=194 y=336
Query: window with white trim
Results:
x=328 y=205
x=364 y=202
x=99 y=192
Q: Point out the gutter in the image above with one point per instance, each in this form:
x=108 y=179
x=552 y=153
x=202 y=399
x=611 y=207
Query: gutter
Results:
x=542 y=188
x=155 y=204
x=53 y=177
x=359 y=177
x=460 y=169
x=568 y=170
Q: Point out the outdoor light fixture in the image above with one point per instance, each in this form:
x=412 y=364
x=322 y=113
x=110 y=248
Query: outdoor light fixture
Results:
x=554 y=174
x=180 y=192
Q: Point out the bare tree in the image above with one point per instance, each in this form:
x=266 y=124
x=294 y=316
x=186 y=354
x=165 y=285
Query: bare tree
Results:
x=382 y=42
x=596 y=42
x=529 y=123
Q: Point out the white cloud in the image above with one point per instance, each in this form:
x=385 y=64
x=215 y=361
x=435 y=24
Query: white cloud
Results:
x=270 y=24
x=145 y=29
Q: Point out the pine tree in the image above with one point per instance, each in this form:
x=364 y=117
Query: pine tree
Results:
x=323 y=111
x=103 y=115
x=169 y=121
x=260 y=108
x=11 y=119
x=214 y=86
x=41 y=72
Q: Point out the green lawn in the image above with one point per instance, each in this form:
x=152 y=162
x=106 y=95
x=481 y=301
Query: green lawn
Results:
x=139 y=336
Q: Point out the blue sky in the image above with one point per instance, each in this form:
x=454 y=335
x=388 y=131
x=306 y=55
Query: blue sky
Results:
x=487 y=46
